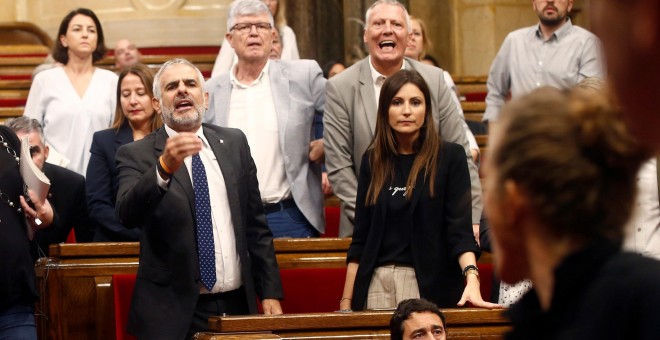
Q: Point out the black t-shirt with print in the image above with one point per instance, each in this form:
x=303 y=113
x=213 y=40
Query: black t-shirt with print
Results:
x=395 y=248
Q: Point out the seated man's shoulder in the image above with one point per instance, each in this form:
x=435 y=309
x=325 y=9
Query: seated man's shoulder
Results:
x=57 y=173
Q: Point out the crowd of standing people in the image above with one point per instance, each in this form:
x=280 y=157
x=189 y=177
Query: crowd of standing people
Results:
x=206 y=173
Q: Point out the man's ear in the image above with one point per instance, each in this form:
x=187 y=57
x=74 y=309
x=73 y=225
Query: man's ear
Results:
x=229 y=39
x=46 y=151
x=156 y=104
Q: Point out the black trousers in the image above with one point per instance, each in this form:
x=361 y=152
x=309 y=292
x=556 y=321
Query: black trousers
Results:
x=227 y=303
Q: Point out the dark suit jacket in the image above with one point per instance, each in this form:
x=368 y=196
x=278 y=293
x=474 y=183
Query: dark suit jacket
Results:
x=102 y=185
x=67 y=197
x=440 y=230
x=168 y=280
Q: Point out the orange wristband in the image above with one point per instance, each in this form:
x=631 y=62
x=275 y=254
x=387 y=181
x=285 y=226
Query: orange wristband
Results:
x=164 y=166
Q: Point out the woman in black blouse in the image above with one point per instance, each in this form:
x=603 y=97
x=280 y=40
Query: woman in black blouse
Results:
x=413 y=236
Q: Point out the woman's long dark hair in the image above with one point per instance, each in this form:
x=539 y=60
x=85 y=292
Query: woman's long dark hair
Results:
x=383 y=147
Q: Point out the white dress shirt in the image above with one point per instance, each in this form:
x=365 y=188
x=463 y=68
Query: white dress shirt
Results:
x=227 y=261
x=643 y=229
x=252 y=110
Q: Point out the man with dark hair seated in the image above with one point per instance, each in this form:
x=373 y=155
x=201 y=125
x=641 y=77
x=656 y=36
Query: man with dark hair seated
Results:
x=417 y=319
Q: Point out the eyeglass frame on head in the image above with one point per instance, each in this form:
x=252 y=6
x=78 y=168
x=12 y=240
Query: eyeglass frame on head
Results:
x=246 y=27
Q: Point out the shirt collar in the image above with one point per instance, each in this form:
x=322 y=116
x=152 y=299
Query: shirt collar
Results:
x=200 y=133
x=559 y=34
x=238 y=84
x=378 y=78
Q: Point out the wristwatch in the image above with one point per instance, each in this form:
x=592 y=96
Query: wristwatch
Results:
x=470 y=269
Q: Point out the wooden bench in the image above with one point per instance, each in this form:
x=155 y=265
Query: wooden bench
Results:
x=10 y=112
x=77 y=298
x=463 y=323
x=473 y=88
x=473 y=110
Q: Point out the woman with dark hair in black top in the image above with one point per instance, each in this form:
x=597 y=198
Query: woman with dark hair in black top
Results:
x=413 y=235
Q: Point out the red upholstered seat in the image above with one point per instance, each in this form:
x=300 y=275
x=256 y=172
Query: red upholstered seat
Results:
x=475 y=96
x=312 y=290
x=123 y=285
x=12 y=102
x=331 y=221
x=485 y=280
x=71 y=238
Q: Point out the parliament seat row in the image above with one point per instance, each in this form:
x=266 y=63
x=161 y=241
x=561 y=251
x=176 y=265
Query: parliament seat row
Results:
x=77 y=283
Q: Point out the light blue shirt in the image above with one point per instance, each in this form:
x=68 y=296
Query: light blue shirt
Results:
x=527 y=61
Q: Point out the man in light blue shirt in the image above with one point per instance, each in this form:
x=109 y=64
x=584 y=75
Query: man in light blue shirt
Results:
x=554 y=52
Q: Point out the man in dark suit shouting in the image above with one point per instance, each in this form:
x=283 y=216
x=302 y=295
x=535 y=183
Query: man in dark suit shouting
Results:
x=206 y=248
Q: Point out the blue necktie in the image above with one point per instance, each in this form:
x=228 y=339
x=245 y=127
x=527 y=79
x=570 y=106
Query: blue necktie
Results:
x=205 y=248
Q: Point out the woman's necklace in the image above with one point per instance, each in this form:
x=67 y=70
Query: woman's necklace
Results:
x=3 y=196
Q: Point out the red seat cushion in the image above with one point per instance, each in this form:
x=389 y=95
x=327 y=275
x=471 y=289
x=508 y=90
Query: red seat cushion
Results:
x=331 y=221
x=312 y=290
x=123 y=285
x=485 y=280
x=475 y=96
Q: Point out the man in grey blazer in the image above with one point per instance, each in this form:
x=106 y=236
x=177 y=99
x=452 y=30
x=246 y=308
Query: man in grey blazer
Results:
x=350 y=112
x=274 y=102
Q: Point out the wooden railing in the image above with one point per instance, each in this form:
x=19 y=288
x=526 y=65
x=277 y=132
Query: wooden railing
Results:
x=467 y=323
x=77 y=298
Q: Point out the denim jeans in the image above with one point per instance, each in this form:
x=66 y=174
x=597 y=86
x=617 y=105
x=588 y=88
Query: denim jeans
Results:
x=17 y=323
x=290 y=222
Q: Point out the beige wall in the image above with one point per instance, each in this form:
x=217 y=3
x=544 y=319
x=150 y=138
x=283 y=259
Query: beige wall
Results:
x=146 y=22
x=8 y=12
x=467 y=34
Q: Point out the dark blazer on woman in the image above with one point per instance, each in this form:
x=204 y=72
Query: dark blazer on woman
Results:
x=441 y=230
x=102 y=185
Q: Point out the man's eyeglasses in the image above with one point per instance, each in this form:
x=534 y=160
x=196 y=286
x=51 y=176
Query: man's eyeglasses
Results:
x=244 y=28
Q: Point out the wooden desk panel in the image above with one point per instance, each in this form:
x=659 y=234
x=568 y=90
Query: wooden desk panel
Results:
x=468 y=323
x=77 y=297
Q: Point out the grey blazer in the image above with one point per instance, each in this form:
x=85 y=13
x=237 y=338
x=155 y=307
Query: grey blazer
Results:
x=298 y=89
x=349 y=123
